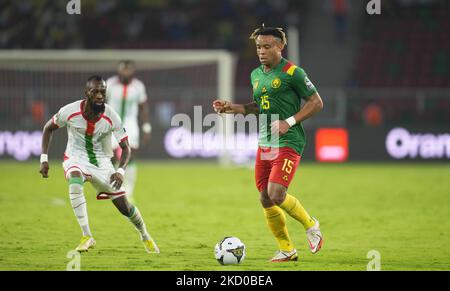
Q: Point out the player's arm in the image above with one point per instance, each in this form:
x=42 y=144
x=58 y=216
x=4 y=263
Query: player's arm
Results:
x=144 y=115
x=49 y=128
x=221 y=106
x=313 y=105
x=126 y=153
x=117 y=177
x=306 y=90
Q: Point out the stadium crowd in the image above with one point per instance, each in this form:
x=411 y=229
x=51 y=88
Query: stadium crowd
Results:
x=45 y=24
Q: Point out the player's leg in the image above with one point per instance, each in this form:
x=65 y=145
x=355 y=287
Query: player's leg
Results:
x=294 y=208
x=275 y=217
x=133 y=215
x=281 y=175
x=276 y=221
x=78 y=202
x=131 y=175
x=130 y=172
x=278 y=194
x=101 y=181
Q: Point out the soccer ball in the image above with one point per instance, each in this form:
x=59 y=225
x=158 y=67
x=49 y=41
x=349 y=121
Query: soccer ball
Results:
x=230 y=251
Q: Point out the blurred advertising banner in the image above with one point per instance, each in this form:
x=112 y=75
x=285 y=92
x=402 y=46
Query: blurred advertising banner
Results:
x=404 y=144
x=20 y=145
x=399 y=143
x=355 y=143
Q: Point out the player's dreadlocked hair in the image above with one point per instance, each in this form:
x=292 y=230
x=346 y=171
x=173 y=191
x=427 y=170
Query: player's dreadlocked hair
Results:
x=276 y=32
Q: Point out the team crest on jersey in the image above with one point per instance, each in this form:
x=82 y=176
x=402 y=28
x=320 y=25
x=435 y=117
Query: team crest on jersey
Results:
x=276 y=83
x=309 y=84
x=255 y=85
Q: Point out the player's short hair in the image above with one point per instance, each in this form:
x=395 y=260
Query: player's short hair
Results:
x=96 y=78
x=274 y=31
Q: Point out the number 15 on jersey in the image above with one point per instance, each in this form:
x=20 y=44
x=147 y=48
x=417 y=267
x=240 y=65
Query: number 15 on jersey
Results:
x=265 y=103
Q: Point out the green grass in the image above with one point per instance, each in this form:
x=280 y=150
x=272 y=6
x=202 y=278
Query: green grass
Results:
x=400 y=210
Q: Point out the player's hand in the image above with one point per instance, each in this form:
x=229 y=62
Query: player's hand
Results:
x=279 y=127
x=116 y=180
x=44 y=169
x=221 y=106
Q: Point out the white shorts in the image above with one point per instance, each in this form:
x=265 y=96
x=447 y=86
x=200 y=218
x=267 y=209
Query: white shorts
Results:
x=98 y=176
x=133 y=137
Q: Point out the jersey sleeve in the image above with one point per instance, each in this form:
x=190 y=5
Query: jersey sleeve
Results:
x=302 y=85
x=254 y=85
x=60 y=118
x=118 y=130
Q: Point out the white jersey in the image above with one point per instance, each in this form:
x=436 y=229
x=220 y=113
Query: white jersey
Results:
x=89 y=141
x=125 y=99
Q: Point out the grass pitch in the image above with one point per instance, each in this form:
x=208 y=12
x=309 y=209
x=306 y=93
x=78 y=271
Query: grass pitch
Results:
x=400 y=210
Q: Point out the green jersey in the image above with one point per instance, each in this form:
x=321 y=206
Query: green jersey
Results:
x=279 y=92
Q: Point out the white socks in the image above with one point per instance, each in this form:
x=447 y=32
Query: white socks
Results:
x=78 y=202
x=136 y=219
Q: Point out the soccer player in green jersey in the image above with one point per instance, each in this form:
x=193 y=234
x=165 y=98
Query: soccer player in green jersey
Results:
x=278 y=88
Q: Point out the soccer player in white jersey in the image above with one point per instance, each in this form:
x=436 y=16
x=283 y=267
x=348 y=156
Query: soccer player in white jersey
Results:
x=90 y=124
x=127 y=96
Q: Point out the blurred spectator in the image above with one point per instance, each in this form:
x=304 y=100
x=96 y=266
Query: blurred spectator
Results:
x=340 y=12
x=373 y=115
x=38 y=112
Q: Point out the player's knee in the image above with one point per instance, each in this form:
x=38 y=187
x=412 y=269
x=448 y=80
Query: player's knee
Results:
x=76 y=194
x=277 y=194
x=265 y=199
x=123 y=206
x=75 y=184
x=75 y=174
x=277 y=199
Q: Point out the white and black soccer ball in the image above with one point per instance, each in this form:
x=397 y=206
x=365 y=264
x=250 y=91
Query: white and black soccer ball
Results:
x=230 y=251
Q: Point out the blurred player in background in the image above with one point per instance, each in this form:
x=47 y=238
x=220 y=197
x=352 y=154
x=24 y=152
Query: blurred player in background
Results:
x=90 y=126
x=127 y=96
x=278 y=88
